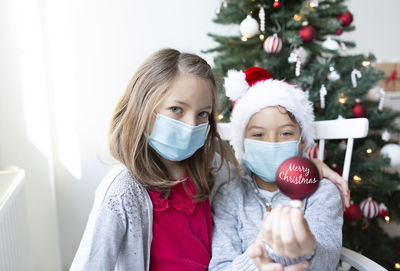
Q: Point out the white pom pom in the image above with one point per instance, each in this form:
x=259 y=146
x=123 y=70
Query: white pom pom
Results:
x=235 y=84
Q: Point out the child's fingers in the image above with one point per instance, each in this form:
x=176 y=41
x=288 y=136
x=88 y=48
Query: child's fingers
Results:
x=302 y=232
x=290 y=246
x=267 y=229
x=271 y=267
x=256 y=250
x=277 y=244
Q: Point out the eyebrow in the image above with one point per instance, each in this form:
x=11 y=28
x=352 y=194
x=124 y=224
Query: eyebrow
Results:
x=183 y=103
x=281 y=126
x=289 y=124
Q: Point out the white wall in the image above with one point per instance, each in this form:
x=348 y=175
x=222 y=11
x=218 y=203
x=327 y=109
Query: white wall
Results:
x=91 y=48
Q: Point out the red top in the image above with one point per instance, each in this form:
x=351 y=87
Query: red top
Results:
x=182 y=231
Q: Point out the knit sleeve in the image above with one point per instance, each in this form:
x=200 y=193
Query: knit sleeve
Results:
x=101 y=241
x=227 y=251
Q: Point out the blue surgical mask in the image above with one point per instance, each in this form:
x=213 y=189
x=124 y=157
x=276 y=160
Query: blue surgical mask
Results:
x=264 y=158
x=175 y=140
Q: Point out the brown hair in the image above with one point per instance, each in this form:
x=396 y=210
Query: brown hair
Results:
x=132 y=119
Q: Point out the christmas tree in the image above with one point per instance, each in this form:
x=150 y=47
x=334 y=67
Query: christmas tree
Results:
x=299 y=42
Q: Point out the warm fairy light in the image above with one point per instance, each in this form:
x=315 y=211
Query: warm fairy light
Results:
x=387 y=219
x=366 y=63
x=357 y=179
x=342 y=98
x=397 y=266
x=220 y=116
x=244 y=39
x=297 y=17
x=262 y=37
x=369 y=150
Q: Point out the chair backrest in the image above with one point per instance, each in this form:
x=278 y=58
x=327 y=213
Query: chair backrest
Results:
x=341 y=129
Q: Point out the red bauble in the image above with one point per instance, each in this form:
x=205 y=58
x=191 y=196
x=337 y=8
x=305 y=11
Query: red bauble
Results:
x=369 y=208
x=383 y=210
x=307 y=33
x=339 y=31
x=297 y=178
x=346 y=18
x=358 y=110
x=276 y=4
x=273 y=44
x=353 y=213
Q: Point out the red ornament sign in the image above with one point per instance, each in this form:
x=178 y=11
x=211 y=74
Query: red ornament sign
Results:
x=297 y=178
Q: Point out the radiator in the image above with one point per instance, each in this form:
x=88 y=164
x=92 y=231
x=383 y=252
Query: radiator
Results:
x=15 y=251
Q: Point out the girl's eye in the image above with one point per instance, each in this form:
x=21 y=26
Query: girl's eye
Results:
x=175 y=109
x=286 y=134
x=258 y=135
x=204 y=114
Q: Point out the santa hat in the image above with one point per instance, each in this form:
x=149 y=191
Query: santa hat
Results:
x=253 y=90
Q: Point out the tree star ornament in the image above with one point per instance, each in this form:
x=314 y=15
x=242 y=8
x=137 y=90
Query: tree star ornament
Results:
x=297 y=178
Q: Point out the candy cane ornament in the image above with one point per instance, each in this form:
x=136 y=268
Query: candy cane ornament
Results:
x=322 y=94
x=355 y=73
x=381 y=99
x=298 y=65
x=261 y=15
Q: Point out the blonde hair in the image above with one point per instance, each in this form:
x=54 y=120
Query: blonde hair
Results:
x=132 y=119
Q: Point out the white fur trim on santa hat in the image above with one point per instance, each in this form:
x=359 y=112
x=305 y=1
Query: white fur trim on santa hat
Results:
x=235 y=84
x=271 y=93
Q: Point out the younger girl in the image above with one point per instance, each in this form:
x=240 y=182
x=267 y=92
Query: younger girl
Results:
x=153 y=212
x=272 y=121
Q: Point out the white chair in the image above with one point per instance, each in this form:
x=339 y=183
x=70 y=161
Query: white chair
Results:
x=346 y=129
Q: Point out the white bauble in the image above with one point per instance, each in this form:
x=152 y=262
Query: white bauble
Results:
x=393 y=152
x=249 y=27
x=374 y=94
x=303 y=54
x=330 y=44
x=386 y=136
x=334 y=75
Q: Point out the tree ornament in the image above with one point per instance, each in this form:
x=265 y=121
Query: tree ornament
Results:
x=386 y=136
x=393 y=152
x=333 y=74
x=297 y=178
x=355 y=73
x=339 y=31
x=222 y=3
x=346 y=18
x=322 y=94
x=273 y=44
x=277 y=4
x=369 y=208
x=353 y=213
x=381 y=99
x=312 y=152
x=307 y=33
x=330 y=44
x=249 y=27
x=358 y=110
x=298 y=66
x=314 y=3
x=383 y=210
x=343 y=145
x=261 y=15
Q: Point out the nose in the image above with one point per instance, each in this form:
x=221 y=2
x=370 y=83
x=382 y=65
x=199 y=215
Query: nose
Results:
x=191 y=119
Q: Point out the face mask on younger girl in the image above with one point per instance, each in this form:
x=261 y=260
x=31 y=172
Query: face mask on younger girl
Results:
x=264 y=158
x=175 y=140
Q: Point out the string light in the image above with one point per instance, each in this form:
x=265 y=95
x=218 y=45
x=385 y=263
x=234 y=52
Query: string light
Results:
x=387 y=219
x=220 y=116
x=357 y=179
x=369 y=150
x=342 y=98
x=244 y=39
x=397 y=266
x=262 y=37
x=297 y=17
x=366 y=63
